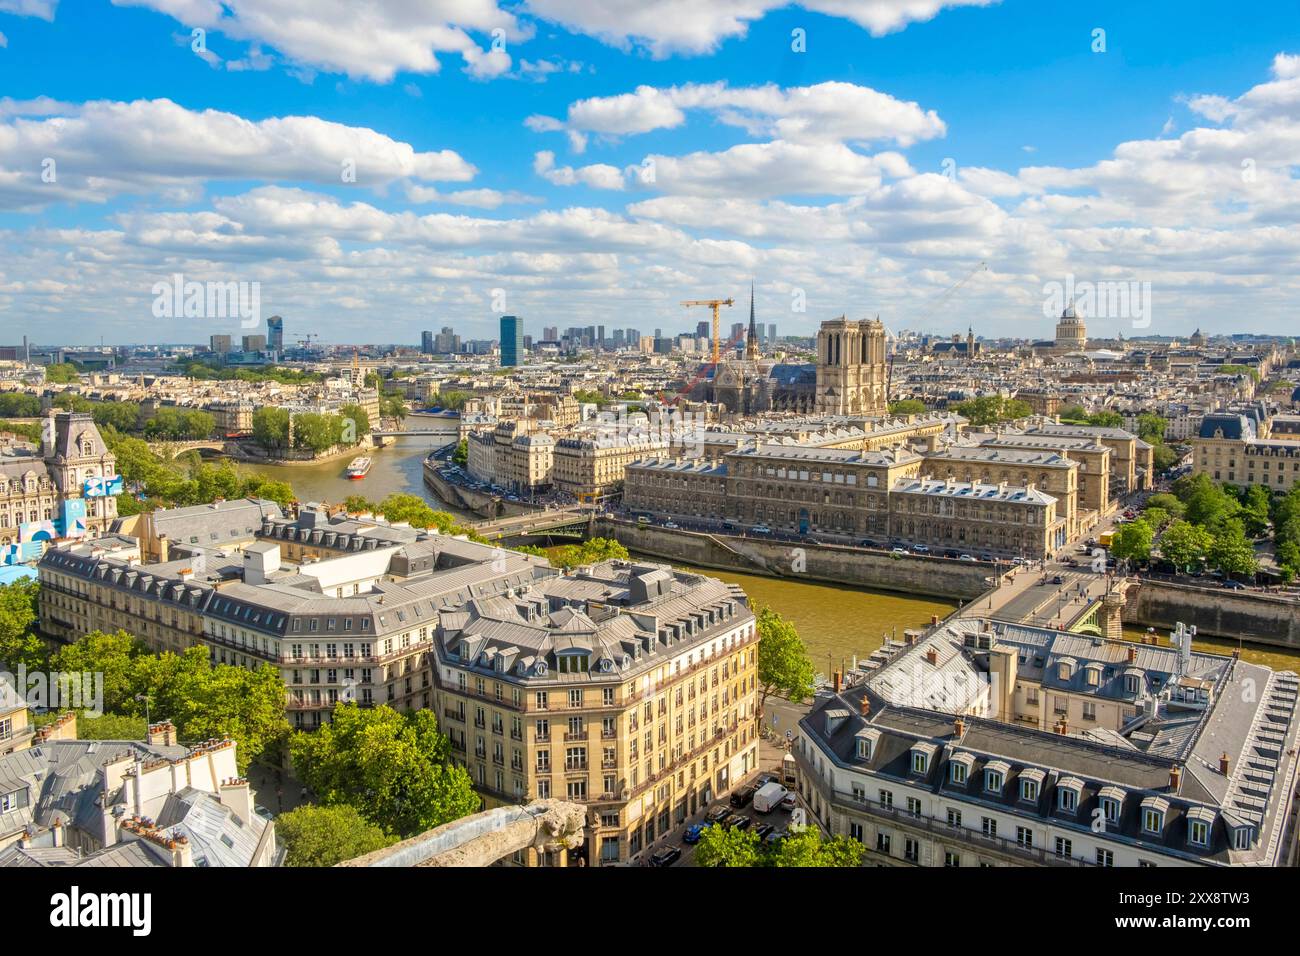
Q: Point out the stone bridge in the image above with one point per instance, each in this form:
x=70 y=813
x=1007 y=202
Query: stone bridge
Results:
x=174 y=449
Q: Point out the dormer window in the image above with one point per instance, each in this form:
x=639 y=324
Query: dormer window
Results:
x=1132 y=683
x=1092 y=675
x=1241 y=837
x=1065 y=669
x=1199 y=822
x=921 y=756
x=866 y=743
x=995 y=775
x=864 y=748
x=1153 y=815
x=1031 y=785
x=1068 y=792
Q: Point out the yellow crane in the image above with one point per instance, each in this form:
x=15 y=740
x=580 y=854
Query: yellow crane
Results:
x=714 y=304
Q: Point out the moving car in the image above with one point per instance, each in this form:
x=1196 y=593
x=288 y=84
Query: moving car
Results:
x=761 y=529
x=670 y=524
x=666 y=857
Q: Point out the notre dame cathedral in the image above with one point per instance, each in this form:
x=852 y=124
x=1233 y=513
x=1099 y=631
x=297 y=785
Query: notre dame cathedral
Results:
x=849 y=377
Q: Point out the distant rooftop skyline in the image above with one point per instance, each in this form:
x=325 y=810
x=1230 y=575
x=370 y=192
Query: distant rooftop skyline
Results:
x=597 y=162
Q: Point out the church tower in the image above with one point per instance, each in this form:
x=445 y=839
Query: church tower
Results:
x=751 y=339
x=851 y=368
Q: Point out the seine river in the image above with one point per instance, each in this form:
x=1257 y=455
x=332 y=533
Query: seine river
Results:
x=835 y=622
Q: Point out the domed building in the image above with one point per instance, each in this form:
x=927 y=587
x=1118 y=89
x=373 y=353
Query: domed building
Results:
x=1071 y=333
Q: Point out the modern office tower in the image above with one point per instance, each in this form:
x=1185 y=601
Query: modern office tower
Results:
x=512 y=340
x=618 y=338
x=219 y=344
x=275 y=333
x=702 y=330
x=528 y=343
x=600 y=336
x=659 y=333
x=631 y=336
x=426 y=343
x=446 y=342
x=737 y=334
x=771 y=334
x=551 y=333
x=254 y=343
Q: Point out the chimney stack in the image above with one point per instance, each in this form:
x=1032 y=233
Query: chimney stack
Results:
x=932 y=655
x=235 y=795
x=839 y=682
x=1175 y=777
x=1224 y=763
x=959 y=727
x=162 y=734
x=164 y=549
x=56 y=830
x=864 y=706
x=1132 y=655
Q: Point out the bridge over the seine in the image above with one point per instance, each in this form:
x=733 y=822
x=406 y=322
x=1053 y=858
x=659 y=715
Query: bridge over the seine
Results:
x=576 y=520
x=173 y=449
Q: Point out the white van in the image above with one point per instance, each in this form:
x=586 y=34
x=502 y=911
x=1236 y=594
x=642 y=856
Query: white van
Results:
x=769 y=797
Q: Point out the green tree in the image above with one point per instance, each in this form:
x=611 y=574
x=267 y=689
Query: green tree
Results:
x=1163 y=457
x=907 y=406
x=19 y=405
x=271 y=427
x=783 y=664
x=205 y=700
x=1132 y=541
x=591 y=551
x=727 y=846
x=1151 y=428
x=112 y=727
x=1170 y=504
x=1184 y=544
x=360 y=419
x=1106 y=419
x=452 y=400
x=18 y=609
x=807 y=848
x=358 y=504
x=62 y=374
x=991 y=409
x=324 y=836
x=257 y=486
x=317 y=432
x=124 y=416
x=1232 y=553
x=461 y=455
x=112 y=654
x=28 y=430
x=395 y=769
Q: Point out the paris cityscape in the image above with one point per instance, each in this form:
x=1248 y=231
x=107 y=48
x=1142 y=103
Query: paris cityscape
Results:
x=828 y=436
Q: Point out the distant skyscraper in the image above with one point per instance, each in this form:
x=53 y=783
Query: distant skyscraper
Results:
x=600 y=336
x=702 y=330
x=512 y=340
x=275 y=333
x=219 y=343
x=551 y=333
x=426 y=343
x=771 y=334
x=632 y=336
x=446 y=342
x=254 y=343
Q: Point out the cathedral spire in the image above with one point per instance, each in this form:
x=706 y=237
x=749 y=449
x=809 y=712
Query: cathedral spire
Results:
x=751 y=340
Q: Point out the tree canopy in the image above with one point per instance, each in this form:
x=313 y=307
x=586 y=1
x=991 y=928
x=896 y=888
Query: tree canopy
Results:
x=784 y=667
x=394 y=769
x=324 y=836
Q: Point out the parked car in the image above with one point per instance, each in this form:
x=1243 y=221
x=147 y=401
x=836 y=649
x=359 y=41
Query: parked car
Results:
x=761 y=529
x=1234 y=585
x=763 y=829
x=717 y=815
x=743 y=796
x=695 y=831
x=790 y=801
x=741 y=823
x=764 y=779
x=921 y=549
x=670 y=524
x=775 y=837
x=868 y=543
x=666 y=857
x=967 y=557
x=898 y=551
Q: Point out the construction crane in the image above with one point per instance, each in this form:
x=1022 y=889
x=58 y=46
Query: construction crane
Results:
x=714 y=304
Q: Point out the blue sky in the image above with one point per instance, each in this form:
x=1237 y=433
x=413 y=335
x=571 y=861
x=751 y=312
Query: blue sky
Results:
x=865 y=174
